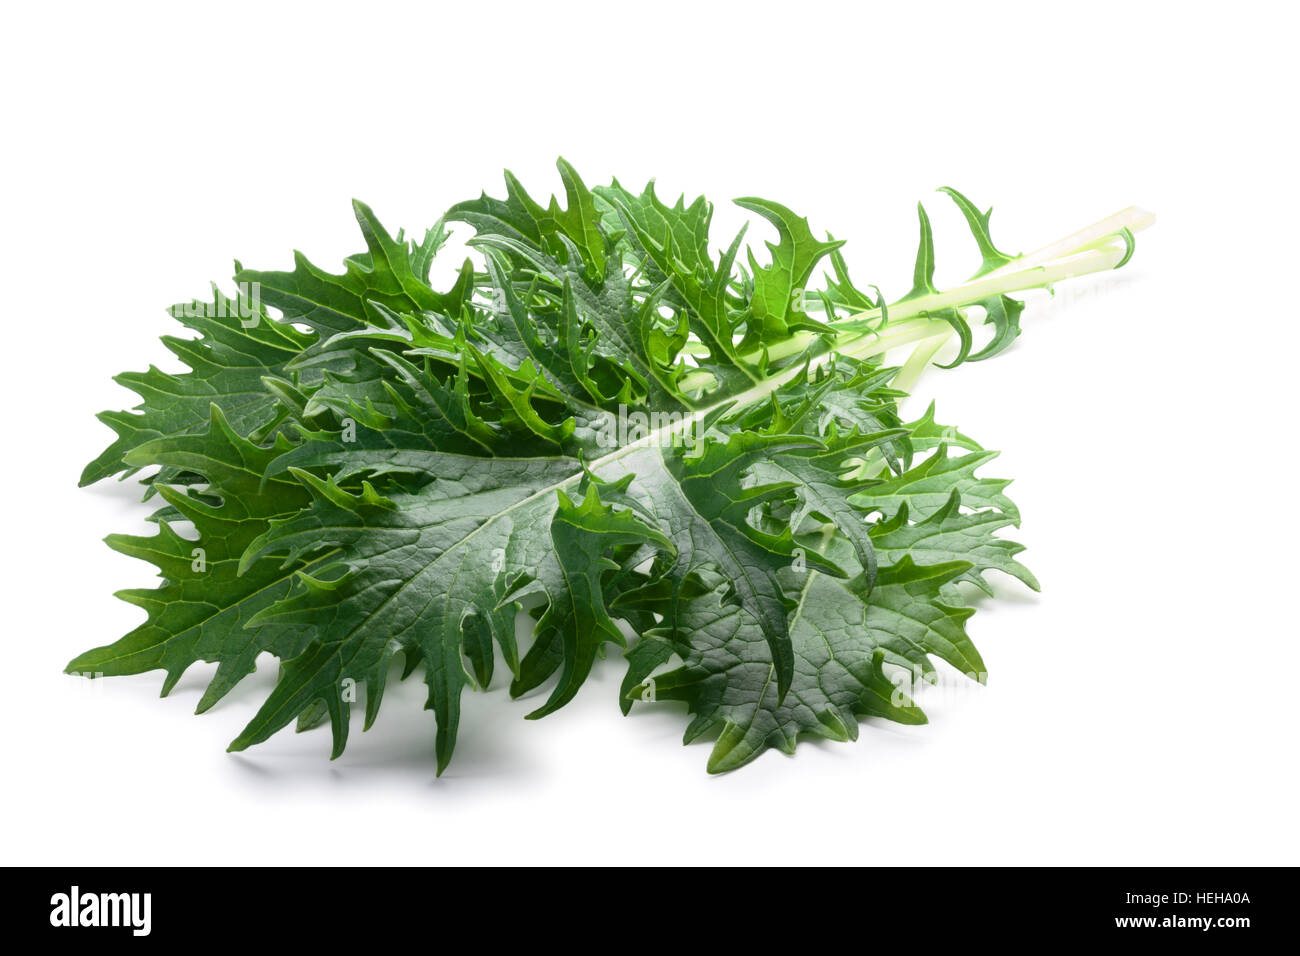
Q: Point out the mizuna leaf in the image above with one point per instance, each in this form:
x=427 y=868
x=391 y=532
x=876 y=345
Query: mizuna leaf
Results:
x=389 y=274
x=582 y=534
x=602 y=429
x=923 y=271
x=913 y=615
x=925 y=434
x=204 y=608
x=1003 y=313
x=728 y=683
x=927 y=487
x=776 y=307
x=951 y=535
x=979 y=227
x=670 y=245
x=411 y=567
x=237 y=347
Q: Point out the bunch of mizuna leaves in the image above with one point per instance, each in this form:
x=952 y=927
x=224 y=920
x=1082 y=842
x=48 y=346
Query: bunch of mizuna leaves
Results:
x=604 y=429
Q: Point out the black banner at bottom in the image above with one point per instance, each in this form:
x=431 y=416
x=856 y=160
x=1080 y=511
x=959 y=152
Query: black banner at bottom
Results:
x=909 y=905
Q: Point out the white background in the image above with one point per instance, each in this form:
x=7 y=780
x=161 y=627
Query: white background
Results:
x=1139 y=711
